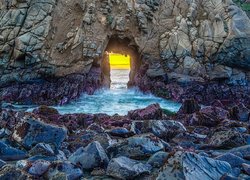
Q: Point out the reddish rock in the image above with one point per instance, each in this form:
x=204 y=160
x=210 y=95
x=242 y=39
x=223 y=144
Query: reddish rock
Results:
x=45 y=111
x=153 y=111
x=208 y=116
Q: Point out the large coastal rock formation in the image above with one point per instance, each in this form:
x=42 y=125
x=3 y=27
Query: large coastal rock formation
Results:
x=185 y=40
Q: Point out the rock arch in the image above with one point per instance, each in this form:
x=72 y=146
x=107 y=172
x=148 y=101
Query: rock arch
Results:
x=124 y=46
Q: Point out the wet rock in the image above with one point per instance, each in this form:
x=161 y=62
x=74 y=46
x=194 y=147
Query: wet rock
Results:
x=246 y=168
x=189 y=106
x=42 y=149
x=165 y=129
x=2 y=163
x=158 y=159
x=70 y=171
x=39 y=167
x=10 y=172
x=153 y=111
x=121 y=132
x=192 y=166
x=90 y=157
x=8 y=153
x=31 y=131
x=125 y=168
x=232 y=159
x=227 y=139
x=137 y=147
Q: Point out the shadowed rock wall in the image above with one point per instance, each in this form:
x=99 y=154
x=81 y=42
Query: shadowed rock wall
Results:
x=189 y=40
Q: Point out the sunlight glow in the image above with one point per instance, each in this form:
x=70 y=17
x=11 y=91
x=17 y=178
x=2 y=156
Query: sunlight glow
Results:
x=119 y=61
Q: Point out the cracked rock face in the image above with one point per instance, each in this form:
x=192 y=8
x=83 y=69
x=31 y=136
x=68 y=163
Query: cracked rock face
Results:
x=201 y=39
x=192 y=166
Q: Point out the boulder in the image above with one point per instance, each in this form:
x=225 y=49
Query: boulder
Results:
x=2 y=163
x=246 y=168
x=208 y=116
x=90 y=157
x=42 y=149
x=10 y=172
x=69 y=170
x=165 y=129
x=46 y=111
x=233 y=160
x=240 y=112
x=192 y=166
x=121 y=132
x=243 y=150
x=39 y=167
x=153 y=111
x=227 y=139
x=125 y=168
x=31 y=131
x=158 y=159
x=137 y=147
x=8 y=153
x=189 y=106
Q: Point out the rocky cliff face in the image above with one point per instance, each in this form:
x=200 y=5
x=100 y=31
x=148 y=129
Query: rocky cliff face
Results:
x=189 y=40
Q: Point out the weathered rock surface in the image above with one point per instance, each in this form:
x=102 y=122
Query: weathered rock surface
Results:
x=227 y=139
x=158 y=159
x=9 y=153
x=90 y=157
x=138 y=147
x=183 y=41
x=192 y=166
x=153 y=111
x=125 y=168
x=165 y=129
x=31 y=131
x=66 y=168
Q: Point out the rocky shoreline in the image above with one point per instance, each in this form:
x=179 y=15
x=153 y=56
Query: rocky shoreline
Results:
x=152 y=143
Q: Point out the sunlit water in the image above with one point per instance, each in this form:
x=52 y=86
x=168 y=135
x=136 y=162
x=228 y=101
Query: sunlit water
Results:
x=116 y=100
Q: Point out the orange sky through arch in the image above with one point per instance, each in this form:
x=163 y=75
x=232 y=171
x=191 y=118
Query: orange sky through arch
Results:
x=119 y=61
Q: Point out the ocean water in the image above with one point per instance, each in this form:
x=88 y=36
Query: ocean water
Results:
x=116 y=100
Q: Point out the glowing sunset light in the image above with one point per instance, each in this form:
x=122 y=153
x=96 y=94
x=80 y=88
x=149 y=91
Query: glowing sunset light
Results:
x=119 y=61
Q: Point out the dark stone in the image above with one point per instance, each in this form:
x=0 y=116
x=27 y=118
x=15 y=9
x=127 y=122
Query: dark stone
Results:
x=232 y=159
x=189 y=106
x=45 y=111
x=227 y=139
x=2 y=163
x=158 y=159
x=9 y=172
x=192 y=166
x=90 y=157
x=165 y=129
x=121 y=132
x=246 y=168
x=31 y=131
x=137 y=147
x=8 y=153
x=125 y=168
x=42 y=149
x=71 y=171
